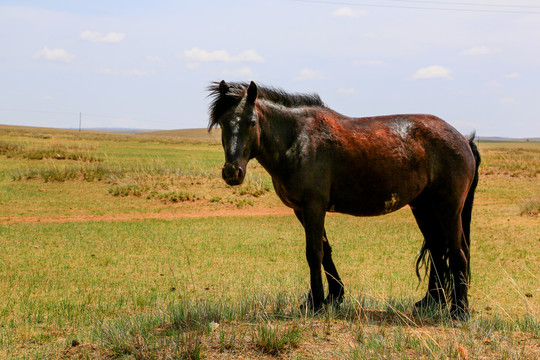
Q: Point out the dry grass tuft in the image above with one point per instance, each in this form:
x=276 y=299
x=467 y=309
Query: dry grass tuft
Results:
x=530 y=207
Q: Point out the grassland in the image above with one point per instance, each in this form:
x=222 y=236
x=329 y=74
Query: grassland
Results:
x=131 y=247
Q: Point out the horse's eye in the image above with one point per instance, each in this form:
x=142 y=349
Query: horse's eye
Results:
x=252 y=123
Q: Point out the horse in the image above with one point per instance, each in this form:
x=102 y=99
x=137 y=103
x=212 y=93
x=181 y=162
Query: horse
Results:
x=321 y=161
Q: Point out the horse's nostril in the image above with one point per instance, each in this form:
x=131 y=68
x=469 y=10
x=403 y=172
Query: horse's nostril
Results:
x=230 y=171
x=232 y=174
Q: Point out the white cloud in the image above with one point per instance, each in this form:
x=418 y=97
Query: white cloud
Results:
x=508 y=100
x=370 y=63
x=346 y=91
x=512 y=76
x=193 y=66
x=309 y=74
x=48 y=97
x=134 y=72
x=97 y=37
x=433 y=72
x=348 y=12
x=494 y=83
x=199 y=55
x=107 y=71
x=248 y=56
x=54 y=54
x=480 y=50
x=154 y=58
x=241 y=72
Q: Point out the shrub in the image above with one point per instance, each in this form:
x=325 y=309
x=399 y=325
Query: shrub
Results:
x=270 y=339
x=530 y=207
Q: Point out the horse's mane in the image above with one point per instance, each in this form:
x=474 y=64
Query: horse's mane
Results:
x=237 y=90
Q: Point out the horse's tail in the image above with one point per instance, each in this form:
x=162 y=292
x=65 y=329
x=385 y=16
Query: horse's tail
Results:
x=466 y=214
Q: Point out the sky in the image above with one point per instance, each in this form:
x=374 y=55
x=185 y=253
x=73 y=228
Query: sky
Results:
x=147 y=64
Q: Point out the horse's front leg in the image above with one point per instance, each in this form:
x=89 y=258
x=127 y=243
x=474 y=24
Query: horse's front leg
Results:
x=313 y=216
x=335 y=285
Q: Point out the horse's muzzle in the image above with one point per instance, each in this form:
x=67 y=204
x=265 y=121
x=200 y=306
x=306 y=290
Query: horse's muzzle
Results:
x=232 y=173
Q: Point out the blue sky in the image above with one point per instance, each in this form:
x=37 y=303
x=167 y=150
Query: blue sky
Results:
x=142 y=64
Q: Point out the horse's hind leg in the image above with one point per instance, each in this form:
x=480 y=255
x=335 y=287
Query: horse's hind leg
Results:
x=459 y=260
x=431 y=229
x=335 y=285
x=445 y=239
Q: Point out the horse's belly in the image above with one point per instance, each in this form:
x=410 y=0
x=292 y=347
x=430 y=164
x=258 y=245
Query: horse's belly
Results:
x=368 y=209
x=374 y=202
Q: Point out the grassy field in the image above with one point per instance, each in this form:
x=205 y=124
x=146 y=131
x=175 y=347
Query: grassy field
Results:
x=116 y=246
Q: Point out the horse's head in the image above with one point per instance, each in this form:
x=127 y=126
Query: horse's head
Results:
x=239 y=133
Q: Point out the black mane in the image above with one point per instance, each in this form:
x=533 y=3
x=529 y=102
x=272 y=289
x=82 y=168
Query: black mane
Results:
x=237 y=90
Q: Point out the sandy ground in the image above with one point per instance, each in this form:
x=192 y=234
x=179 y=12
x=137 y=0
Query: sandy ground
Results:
x=197 y=211
x=163 y=215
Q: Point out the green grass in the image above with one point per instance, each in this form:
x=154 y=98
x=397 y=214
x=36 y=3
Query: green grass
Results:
x=74 y=287
x=159 y=171
x=78 y=273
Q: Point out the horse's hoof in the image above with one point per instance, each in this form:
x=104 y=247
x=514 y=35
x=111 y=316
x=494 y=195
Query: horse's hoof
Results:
x=310 y=306
x=429 y=307
x=427 y=302
x=423 y=304
x=334 y=300
x=460 y=314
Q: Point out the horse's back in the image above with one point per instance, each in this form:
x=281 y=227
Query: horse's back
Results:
x=379 y=164
x=407 y=139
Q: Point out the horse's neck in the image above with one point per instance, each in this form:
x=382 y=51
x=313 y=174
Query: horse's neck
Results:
x=280 y=129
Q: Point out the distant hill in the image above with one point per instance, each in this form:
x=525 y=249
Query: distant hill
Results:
x=117 y=130
x=189 y=134
x=196 y=134
x=499 y=138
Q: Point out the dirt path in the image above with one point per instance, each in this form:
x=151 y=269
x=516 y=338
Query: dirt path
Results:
x=163 y=215
x=169 y=214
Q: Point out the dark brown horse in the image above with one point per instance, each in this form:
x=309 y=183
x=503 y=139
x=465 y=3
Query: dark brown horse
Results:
x=323 y=161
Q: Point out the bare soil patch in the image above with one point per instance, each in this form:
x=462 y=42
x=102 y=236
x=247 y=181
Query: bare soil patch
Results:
x=172 y=214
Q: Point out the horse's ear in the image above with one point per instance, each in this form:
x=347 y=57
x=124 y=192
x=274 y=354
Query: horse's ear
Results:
x=252 y=93
x=223 y=87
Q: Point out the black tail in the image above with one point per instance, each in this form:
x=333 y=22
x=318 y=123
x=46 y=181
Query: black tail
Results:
x=466 y=214
x=467 y=209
